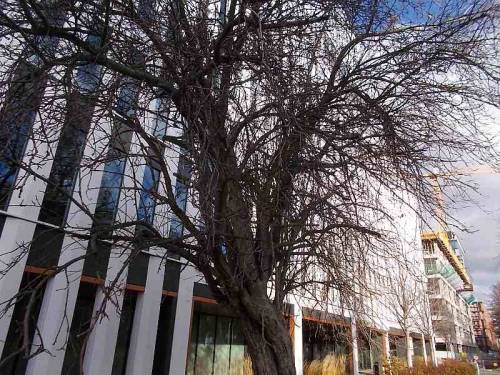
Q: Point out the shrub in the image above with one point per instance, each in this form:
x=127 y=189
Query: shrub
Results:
x=396 y=366
x=449 y=367
x=329 y=365
x=454 y=367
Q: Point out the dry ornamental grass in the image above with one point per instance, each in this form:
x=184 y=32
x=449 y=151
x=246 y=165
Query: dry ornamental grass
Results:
x=448 y=367
x=329 y=365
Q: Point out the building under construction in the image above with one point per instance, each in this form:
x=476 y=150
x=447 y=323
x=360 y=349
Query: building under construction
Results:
x=450 y=294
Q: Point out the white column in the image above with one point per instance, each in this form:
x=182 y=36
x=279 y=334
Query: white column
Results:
x=183 y=313
x=147 y=311
x=424 y=349
x=297 y=338
x=58 y=306
x=13 y=258
x=355 y=354
x=54 y=321
x=18 y=233
x=386 y=346
x=100 y=350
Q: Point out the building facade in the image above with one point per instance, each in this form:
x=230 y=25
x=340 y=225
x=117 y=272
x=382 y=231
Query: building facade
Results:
x=115 y=312
x=484 y=331
x=449 y=287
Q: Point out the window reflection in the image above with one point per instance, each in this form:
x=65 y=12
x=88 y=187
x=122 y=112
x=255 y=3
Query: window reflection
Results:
x=13 y=138
x=216 y=346
x=181 y=194
x=67 y=160
x=161 y=119
x=147 y=202
x=107 y=201
x=16 y=120
x=127 y=98
x=88 y=75
x=365 y=354
x=320 y=340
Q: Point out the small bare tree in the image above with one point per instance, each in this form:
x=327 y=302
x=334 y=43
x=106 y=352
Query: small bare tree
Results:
x=407 y=297
x=291 y=117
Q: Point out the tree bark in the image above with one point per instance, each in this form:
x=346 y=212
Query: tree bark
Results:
x=266 y=335
x=409 y=349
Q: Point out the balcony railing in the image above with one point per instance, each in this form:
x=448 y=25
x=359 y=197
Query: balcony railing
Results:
x=443 y=242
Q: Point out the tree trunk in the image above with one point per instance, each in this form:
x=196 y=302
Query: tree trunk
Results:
x=409 y=349
x=266 y=335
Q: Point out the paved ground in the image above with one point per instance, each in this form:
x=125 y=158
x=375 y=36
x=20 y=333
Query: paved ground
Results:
x=490 y=372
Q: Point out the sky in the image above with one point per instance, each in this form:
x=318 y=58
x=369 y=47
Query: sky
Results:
x=482 y=247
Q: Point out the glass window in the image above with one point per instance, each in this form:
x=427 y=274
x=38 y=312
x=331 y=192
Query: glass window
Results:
x=222 y=355
x=107 y=205
x=109 y=193
x=237 y=349
x=18 y=112
x=205 y=344
x=376 y=346
x=192 y=345
x=88 y=75
x=67 y=160
x=401 y=347
x=79 y=328
x=127 y=98
x=181 y=194
x=320 y=340
x=124 y=333
x=47 y=45
x=418 y=348
x=216 y=346
x=161 y=119
x=45 y=246
x=164 y=336
x=147 y=202
x=441 y=346
x=365 y=359
x=14 y=133
x=16 y=365
x=428 y=347
x=393 y=347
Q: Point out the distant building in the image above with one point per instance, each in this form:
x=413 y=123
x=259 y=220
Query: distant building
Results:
x=449 y=288
x=483 y=328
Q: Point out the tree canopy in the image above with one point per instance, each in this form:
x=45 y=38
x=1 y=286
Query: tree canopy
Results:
x=297 y=123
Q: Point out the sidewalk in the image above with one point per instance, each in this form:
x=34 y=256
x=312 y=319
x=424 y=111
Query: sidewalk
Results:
x=490 y=372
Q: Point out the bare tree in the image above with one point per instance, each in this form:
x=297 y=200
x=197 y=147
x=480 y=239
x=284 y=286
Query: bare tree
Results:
x=407 y=297
x=443 y=323
x=292 y=117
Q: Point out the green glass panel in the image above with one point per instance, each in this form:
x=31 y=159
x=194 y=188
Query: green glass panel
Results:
x=192 y=346
x=206 y=345
x=222 y=346
x=237 y=350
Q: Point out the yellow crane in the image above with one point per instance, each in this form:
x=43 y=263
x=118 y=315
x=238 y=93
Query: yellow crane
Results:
x=442 y=235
